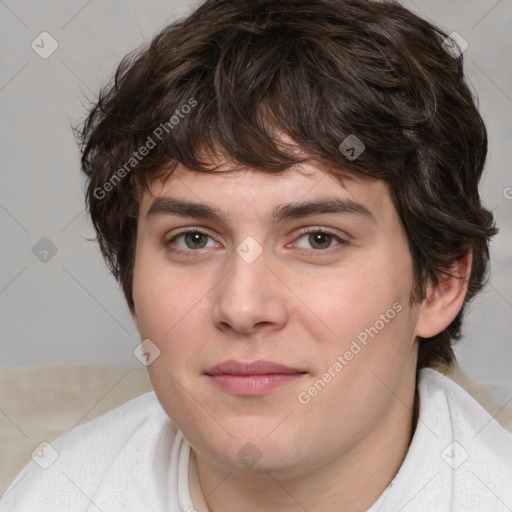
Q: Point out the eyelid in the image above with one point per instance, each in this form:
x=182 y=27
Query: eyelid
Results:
x=192 y=229
x=321 y=229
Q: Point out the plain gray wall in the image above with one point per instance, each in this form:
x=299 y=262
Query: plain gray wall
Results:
x=69 y=309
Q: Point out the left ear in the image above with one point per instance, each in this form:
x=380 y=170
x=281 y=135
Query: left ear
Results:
x=444 y=300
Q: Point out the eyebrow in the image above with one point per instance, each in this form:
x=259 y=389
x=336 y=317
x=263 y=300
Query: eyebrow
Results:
x=336 y=205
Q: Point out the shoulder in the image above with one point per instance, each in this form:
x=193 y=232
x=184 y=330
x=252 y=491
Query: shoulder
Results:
x=474 y=448
x=459 y=458
x=71 y=472
x=467 y=417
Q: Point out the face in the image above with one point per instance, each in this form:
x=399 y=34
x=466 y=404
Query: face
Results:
x=317 y=297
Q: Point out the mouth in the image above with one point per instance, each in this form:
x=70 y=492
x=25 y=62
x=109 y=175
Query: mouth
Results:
x=252 y=378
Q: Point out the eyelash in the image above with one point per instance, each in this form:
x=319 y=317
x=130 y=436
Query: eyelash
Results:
x=302 y=232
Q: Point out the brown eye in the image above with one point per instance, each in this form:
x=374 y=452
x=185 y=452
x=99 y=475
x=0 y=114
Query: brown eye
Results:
x=195 y=240
x=319 y=239
x=189 y=240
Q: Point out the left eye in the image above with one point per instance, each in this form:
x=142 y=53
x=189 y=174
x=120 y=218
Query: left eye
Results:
x=319 y=239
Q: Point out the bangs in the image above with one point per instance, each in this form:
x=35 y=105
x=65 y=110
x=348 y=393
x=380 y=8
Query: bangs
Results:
x=266 y=98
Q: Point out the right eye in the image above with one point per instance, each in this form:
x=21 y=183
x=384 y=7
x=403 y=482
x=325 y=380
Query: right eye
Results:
x=193 y=239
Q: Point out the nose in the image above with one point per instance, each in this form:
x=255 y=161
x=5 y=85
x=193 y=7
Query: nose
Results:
x=251 y=298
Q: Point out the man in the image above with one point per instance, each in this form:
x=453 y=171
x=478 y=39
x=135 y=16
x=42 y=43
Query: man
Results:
x=287 y=192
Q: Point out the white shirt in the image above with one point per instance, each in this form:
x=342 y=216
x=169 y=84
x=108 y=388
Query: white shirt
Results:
x=135 y=459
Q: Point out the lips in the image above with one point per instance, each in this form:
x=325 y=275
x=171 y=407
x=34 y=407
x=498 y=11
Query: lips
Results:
x=252 y=378
x=233 y=367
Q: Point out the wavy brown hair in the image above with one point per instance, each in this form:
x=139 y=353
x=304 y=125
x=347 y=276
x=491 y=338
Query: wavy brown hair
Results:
x=316 y=71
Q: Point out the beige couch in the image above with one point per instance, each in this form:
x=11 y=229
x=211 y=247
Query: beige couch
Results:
x=39 y=403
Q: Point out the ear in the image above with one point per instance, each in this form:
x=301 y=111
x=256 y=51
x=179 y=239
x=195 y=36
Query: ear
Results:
x=444 y=300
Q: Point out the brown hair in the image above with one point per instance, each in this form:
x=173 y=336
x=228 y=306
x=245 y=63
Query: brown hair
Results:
x=231 y=75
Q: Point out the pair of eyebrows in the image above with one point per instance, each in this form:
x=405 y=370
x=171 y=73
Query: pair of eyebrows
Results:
x=163 y=206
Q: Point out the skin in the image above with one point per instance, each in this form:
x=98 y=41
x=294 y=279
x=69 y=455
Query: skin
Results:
x=298 y=304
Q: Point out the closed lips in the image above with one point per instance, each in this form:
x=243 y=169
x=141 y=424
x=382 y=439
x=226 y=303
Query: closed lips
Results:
x=233 y=367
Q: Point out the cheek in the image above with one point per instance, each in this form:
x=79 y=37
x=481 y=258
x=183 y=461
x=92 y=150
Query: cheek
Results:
x=167 y=315
x=172 y=313
x=353 y=301
x=367 y=311
x=160 y=298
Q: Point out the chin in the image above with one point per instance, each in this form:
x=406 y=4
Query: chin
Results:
x=256 y=455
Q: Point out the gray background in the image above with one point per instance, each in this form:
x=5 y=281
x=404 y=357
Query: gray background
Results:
x=68 y=309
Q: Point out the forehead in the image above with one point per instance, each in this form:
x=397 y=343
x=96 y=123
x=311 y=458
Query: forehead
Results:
x=246 y=190
x=249 y=197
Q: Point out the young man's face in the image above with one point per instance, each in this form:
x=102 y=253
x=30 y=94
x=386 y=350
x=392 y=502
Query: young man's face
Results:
x=252 y=288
